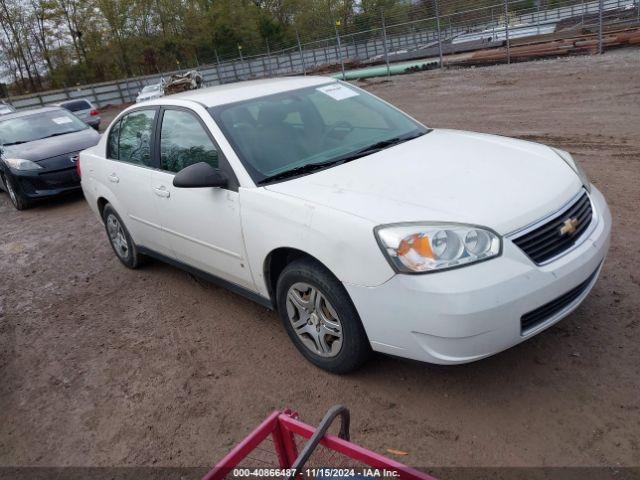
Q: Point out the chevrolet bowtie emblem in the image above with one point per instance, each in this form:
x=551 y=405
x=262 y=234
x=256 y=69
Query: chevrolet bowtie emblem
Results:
x=569 y=226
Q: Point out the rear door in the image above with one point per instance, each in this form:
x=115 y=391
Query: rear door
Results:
x=128 y=172
x=202 y=225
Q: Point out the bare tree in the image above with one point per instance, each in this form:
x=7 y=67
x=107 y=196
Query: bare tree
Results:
x=10 y=23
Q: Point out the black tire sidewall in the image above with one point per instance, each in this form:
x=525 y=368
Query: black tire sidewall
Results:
x=20 y=202
x=133 y=258
x=355 y=347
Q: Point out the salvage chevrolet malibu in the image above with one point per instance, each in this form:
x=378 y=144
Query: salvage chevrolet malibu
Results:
x=364 y=229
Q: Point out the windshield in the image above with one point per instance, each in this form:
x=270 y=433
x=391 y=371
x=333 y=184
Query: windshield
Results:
x=25 y=129
x=311 y=127
x=151 y=88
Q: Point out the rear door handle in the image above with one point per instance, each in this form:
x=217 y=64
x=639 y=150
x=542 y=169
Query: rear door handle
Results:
x=162 y=191
x=114 y=178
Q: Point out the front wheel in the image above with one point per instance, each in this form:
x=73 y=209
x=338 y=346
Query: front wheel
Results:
x=320 y=318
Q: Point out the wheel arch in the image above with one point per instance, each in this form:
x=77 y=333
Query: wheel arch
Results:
x=276 y=261
x=102 y=202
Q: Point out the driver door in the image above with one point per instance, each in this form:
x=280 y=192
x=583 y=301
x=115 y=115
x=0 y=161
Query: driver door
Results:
x=202 y=225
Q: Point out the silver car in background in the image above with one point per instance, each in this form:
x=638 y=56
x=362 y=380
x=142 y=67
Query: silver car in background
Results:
x=84 y=110
x=150 y=92
x=5 y=108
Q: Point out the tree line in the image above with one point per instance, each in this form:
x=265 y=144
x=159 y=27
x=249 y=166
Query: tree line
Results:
x=48 y=44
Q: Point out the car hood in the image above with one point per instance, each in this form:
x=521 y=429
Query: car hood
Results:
x=449 y=176
x=51 y=147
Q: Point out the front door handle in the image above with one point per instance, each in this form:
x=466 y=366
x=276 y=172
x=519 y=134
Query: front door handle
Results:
x=162 y=191
x=114 y=178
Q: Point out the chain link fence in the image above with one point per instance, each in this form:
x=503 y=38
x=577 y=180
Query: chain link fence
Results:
x=390 y=38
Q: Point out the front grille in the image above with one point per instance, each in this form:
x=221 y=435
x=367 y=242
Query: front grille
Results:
x=559 y=234
x=60 y=179
x=541 y=314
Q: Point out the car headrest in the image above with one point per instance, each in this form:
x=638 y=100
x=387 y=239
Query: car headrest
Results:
x=270 y=114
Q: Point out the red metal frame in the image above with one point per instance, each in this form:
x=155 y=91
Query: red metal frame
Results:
x=283 y=426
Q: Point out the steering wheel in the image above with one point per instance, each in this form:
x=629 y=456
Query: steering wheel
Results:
x=339 y=125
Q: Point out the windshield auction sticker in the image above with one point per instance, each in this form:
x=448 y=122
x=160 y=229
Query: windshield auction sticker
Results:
x=61 y=120
x=338 y=91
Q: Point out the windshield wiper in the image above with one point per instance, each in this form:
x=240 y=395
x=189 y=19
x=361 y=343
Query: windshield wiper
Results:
x=19 y=142
x=376 y=147
x=308 y=168
x=57 y=134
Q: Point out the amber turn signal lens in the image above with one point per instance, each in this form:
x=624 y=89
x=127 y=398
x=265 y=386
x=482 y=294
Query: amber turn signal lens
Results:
x=403 y=248
x=422 y=245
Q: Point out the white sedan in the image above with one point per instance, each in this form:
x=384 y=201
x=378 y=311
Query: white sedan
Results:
x=366 y=230
x=150 y=92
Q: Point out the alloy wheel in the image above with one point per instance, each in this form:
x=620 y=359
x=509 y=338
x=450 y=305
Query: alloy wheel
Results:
x=314 y=320
x=117 y=237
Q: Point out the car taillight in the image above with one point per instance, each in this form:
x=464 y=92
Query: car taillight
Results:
x=78 y=169
x=94 y=112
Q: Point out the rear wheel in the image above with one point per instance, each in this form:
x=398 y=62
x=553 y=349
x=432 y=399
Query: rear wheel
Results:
x=320 y=318
x=19 y=201
x=120 y=240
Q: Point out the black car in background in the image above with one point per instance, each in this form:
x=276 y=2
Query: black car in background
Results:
x=38 y=153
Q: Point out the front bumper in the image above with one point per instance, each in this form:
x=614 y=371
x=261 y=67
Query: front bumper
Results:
x=466 y=314
x=40 y=184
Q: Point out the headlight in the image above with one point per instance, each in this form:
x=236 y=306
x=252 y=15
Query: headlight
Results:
x=582 y=175
x=427 y=247
x=21 y=164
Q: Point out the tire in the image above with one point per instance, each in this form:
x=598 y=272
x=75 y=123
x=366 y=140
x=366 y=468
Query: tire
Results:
x=119 y=238
x=328 y=331
x=19 y=201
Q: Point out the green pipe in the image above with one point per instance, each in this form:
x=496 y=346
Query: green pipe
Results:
x=381 y=70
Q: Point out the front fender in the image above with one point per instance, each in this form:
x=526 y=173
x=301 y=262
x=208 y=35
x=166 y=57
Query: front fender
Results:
x=344 y=243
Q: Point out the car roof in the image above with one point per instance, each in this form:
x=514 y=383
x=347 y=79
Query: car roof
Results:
x=30 y=112
x=81 y=99
x=239 y=91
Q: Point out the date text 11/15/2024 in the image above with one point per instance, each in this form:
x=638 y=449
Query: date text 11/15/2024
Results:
x=318 y=473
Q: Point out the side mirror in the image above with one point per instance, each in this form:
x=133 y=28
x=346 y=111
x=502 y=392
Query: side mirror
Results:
x=200 y=175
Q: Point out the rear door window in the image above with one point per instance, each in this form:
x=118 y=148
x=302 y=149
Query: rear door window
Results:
x=135 y=137
x=77 y=105
x=112 y=141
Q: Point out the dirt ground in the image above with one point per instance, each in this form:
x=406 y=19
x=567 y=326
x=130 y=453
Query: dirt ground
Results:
x=104 y=366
